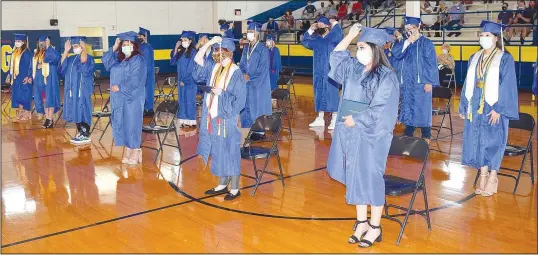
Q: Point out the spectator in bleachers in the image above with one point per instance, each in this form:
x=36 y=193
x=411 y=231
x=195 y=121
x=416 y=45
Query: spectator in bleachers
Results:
x=342 y=10
x=533 y=9
x=523 y=16
x=441 y=19
x=428 y=20
x=288 y=21
x=356 y=10
x=310 y=10
x=456 y=14
x=445 y=61
x=272 y=26
x=324 y=10
x=305 y=25
x=505 y=17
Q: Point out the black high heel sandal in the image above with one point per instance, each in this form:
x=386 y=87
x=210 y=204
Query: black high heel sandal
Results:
x=353 y=237
x=378 y=239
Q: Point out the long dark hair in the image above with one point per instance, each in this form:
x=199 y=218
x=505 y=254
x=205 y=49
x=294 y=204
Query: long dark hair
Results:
x=187 y=51
x=379 y=59
x=24 y=45
x=136 y=51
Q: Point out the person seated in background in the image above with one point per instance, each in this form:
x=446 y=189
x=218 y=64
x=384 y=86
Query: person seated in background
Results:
x=456 y=14
x=272 y=26
x=428 y=19
x=342 y=11
x=289 y=21
x=506 y=17
x=356 y=10
x=523 y=16
x=324 y=10
x=445 y=61
x=304 y=27
x=309 y=11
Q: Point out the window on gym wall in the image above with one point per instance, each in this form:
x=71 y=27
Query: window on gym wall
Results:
x=95 y=39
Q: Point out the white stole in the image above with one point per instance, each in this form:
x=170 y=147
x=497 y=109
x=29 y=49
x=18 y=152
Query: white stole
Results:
x=492 y=79
x=214 y=110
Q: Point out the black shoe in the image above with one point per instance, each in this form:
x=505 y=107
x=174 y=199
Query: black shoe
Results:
x=230 y=196
x=353 y=237
x=48 y=123
x=215 y=192
x=378 y=239
x=45 y=124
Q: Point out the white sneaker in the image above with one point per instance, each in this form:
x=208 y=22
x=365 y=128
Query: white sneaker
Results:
x=318 y=122
x=333 y=123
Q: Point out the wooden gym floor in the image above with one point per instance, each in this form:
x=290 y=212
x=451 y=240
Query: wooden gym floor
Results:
x=57 y=198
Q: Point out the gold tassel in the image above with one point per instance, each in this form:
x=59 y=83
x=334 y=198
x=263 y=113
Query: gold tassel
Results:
x=481 y=108
x=224 y=128
x=218 y=131
x=470 y=116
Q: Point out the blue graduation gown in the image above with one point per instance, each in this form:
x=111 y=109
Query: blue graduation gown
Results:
x=224 y=151
x=258 y=87
x=187 y=92
x=417 y=67
x=484 y=144
x=229 y=33
x=535 y=80
x=147 y=52
x=21 y=94
x=127 y=104
x=358 y=155
x=275 y=66
x=325 y=89
x=52 y=88
x=78 y=89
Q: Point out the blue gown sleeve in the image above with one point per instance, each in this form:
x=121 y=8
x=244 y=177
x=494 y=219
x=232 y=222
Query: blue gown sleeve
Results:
x=397 y=48
x=278 y=61
x=30 y=66
x=262 y=67
x=52 y=56
x=429 y=73
x=341 y=64
x=202 y=74
x=508 y=104
x=234 y=98
x=187 y=77
x=243 y=61
x=62 y=68
x=310 y=41
x=372 y=114
x=173 y=58
x=109 y=59
x=335 y=35
x=137 y=77
x=229 y=33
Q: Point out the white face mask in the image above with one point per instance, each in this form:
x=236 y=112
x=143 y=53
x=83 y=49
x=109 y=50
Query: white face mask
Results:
x=486 y=42
x=250 y=36
x=79 y=50
x=268 y=43
x=185 y=44
x=364 y=57
x=127 y=50
x=18 y=44
x=445 y=51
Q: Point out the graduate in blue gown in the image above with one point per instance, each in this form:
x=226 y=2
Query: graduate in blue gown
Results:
x=396 y=36
x=46 y=83
x=275 y=63
x=20 y=77
x=255 y=67
x=361 y=141
x=226 y=30
x=535 y=79
x=182 y=56
x=321 y=38
x=418 y=73
x=220 y=137
x=489 y=100
x=147 y=53
x=203 y=38
x=77 y=71
x=128 y=75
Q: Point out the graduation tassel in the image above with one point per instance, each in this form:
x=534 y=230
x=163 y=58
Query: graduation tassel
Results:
x=218 y=130
x=482 y=97
x=224 y=128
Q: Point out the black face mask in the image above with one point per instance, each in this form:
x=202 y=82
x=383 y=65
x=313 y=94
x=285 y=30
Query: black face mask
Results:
x=321 y=31
x=140 y=40
x=504 y=8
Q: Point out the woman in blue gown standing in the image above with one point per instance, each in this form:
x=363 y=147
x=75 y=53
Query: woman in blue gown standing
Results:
x=489 y=100
x=20 y=78
x=275 y=63
x=361 y=141
x=220 y=137
x=45 y=75
x=77 y=71
x=127 y=94
x=182 y=56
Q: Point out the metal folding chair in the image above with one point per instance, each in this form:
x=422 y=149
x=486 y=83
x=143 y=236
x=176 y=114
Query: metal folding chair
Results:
x=284 y=105
x=445 y=94
x=268 y=124
x=287 y=82
x=418 y=149
x=104 y=113
x=170 y=81
x=97 y=83
x=157 y=126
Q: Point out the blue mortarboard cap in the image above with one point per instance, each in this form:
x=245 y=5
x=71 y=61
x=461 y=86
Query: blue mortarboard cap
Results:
x=78 y=39
x=188 y=34
x=200 y=35
x=270 y=37
x=20 y=37
x=249 y=21
x=224 y=26
x=390 y=30
x=227 y=43
x=254 y=26
x=492 y=27
x=43 y=38
x=374 y=35
x=144 y=32
x=412 y=21
x=128 y=36
x=324 y=20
